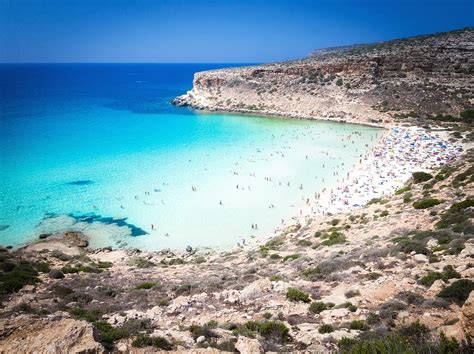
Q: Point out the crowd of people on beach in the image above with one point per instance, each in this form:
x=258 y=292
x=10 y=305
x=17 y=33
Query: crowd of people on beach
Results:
x=378 y=171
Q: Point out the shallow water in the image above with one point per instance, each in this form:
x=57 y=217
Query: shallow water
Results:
x=99 y=148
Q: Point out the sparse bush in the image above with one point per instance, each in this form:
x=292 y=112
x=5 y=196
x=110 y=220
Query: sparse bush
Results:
x=325 y=328
x=140 y=262
x=15 y=276
x=275 y=277
x=291 y=257
x=297 y=295
x=145 y=286
x=334 y=238
x=458 y=291
x=419 y=177
x=373 y=275
x=107 y=333
x=317 y=307
x=274 y=330
x=56 y=274
x=304 y=243
x=205 y=330
x=91 y=315
x=358 y=325
x=144 y=340
x=456 y=215
x=352 y=293
x=426 y=203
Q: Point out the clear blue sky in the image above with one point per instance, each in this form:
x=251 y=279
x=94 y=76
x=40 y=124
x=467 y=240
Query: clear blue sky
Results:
x=210 y=30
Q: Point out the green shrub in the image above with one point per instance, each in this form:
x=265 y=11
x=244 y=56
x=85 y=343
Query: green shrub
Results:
x=91 y=315
x=348 y=305
x=274 y=330
x=104 y=265
x=358 y=325
x=415 y=331
x=291 y=257
x=304 y=243
x=419 y=177
x=325 y=328
x=334 y=238
x=456 y=215
x=402 y=190
x=144 y=340
x=297 y=295
x=15 y=276
x=407 y=197
x=312 y=274
x=92 y=268
x=275 y=256
x=384 y=213
x=444 y=173
x=107 y=333
x=140 y=262
x=145 y=286
x=351 y=293
x=467 y=115
x=317 y=307
x=458 y=291
x=275 y=277
x=205 y=330
x=373 y=275
x=426 y=203
x=430 y=278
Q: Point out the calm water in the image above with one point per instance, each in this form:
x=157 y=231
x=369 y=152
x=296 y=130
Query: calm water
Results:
x=99 y=148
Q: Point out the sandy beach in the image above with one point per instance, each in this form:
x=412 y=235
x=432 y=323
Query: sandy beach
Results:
x=380 y=172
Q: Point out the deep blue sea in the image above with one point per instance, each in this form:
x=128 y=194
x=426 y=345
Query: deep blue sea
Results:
x=100 y=149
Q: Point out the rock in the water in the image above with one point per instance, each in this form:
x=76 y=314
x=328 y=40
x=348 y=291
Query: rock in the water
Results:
x=44 y=236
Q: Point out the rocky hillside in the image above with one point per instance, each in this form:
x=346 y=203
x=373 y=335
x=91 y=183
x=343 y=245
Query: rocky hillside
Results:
x=417 y=77
x=395 y=274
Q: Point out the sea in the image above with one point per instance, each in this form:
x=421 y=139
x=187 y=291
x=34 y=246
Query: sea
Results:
x=99 y=148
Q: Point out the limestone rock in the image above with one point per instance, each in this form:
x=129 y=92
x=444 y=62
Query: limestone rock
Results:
x=248 y=345
x=255 y=290
x=467 y=315
x=63 y=336
x=436 y=287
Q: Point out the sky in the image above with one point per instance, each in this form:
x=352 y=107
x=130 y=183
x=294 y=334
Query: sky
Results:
x=225 y=31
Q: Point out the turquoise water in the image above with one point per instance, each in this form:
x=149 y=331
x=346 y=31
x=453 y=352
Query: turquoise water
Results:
x=98 y=148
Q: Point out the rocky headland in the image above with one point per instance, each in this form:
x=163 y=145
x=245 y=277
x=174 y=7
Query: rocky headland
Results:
x=422 y=76
x=395 y=275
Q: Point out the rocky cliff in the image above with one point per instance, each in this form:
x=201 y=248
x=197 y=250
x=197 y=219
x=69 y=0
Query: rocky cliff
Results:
x=372 y=83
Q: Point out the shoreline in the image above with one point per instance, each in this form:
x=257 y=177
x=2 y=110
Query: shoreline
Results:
x=327 y=203
x=188 y=100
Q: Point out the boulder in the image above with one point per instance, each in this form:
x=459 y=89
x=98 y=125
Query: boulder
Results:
x=436 y=287
x=255 y=290
x=28 y=335
x=467 y=315
x=248 y=345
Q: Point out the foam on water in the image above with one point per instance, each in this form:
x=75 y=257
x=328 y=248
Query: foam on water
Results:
x=103 y=166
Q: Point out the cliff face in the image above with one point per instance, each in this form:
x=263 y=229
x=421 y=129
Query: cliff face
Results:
x=363 y=83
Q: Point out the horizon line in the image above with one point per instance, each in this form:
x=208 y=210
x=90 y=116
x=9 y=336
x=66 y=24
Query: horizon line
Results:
x=128 y=62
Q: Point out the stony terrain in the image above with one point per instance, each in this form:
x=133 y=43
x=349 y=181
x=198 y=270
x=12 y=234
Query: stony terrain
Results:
x=395 y=275
x=314 y=287
x=377 y=83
